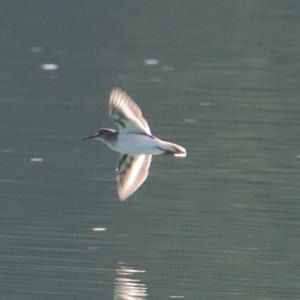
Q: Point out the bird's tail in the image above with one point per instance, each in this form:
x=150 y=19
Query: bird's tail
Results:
x=173 y=149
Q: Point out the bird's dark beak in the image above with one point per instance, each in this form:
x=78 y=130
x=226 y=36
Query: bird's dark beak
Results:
x=89 y=137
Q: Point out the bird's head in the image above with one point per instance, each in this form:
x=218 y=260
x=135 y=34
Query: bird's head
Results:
x=102 y=134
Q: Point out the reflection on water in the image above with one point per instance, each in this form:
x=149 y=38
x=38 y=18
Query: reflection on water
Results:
x=127 y=287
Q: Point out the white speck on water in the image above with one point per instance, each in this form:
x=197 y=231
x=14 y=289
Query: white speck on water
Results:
x=190 y=121
x=93 y=248
x=176 y=297
x=49 y=67
x=167 y=68
x=6 y=150
x=205 y=103
x=157 y=79
x=36 y=49
x=298 y=156
x=99 y=229
x=151 y=61
x=36 y=159
x=128 y=271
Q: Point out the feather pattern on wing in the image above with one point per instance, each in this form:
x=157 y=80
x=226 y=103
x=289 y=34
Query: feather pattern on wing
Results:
x=131 y=171
x=126 y=114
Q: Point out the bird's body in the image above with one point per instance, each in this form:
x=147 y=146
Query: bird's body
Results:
x=134 y=141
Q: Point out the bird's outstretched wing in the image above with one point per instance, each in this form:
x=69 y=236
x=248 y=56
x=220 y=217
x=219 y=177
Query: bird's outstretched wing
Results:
x=126 y=114
x=131 y=171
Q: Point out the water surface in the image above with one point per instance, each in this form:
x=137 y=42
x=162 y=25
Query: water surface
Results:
x=220 y=78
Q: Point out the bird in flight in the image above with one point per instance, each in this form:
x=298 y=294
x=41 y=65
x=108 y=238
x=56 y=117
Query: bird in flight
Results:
x=134 y=141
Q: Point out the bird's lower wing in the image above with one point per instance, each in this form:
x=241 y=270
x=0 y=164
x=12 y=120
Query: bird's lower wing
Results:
x=131 y=171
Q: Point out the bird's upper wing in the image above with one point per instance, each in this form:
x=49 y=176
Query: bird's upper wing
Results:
x=132 y=171
x=126 y=114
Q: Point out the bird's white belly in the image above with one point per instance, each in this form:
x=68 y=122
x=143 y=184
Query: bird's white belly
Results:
x=134 y=144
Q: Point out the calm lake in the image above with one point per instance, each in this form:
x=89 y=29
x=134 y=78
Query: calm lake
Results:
x=220 y=78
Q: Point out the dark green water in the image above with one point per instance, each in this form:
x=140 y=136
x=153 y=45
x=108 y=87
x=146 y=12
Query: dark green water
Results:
x=219 y=77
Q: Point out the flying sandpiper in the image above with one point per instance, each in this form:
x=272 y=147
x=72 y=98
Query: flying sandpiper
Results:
x=134 y=141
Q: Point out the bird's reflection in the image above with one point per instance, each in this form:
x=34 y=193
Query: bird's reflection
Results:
x=127 y=285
